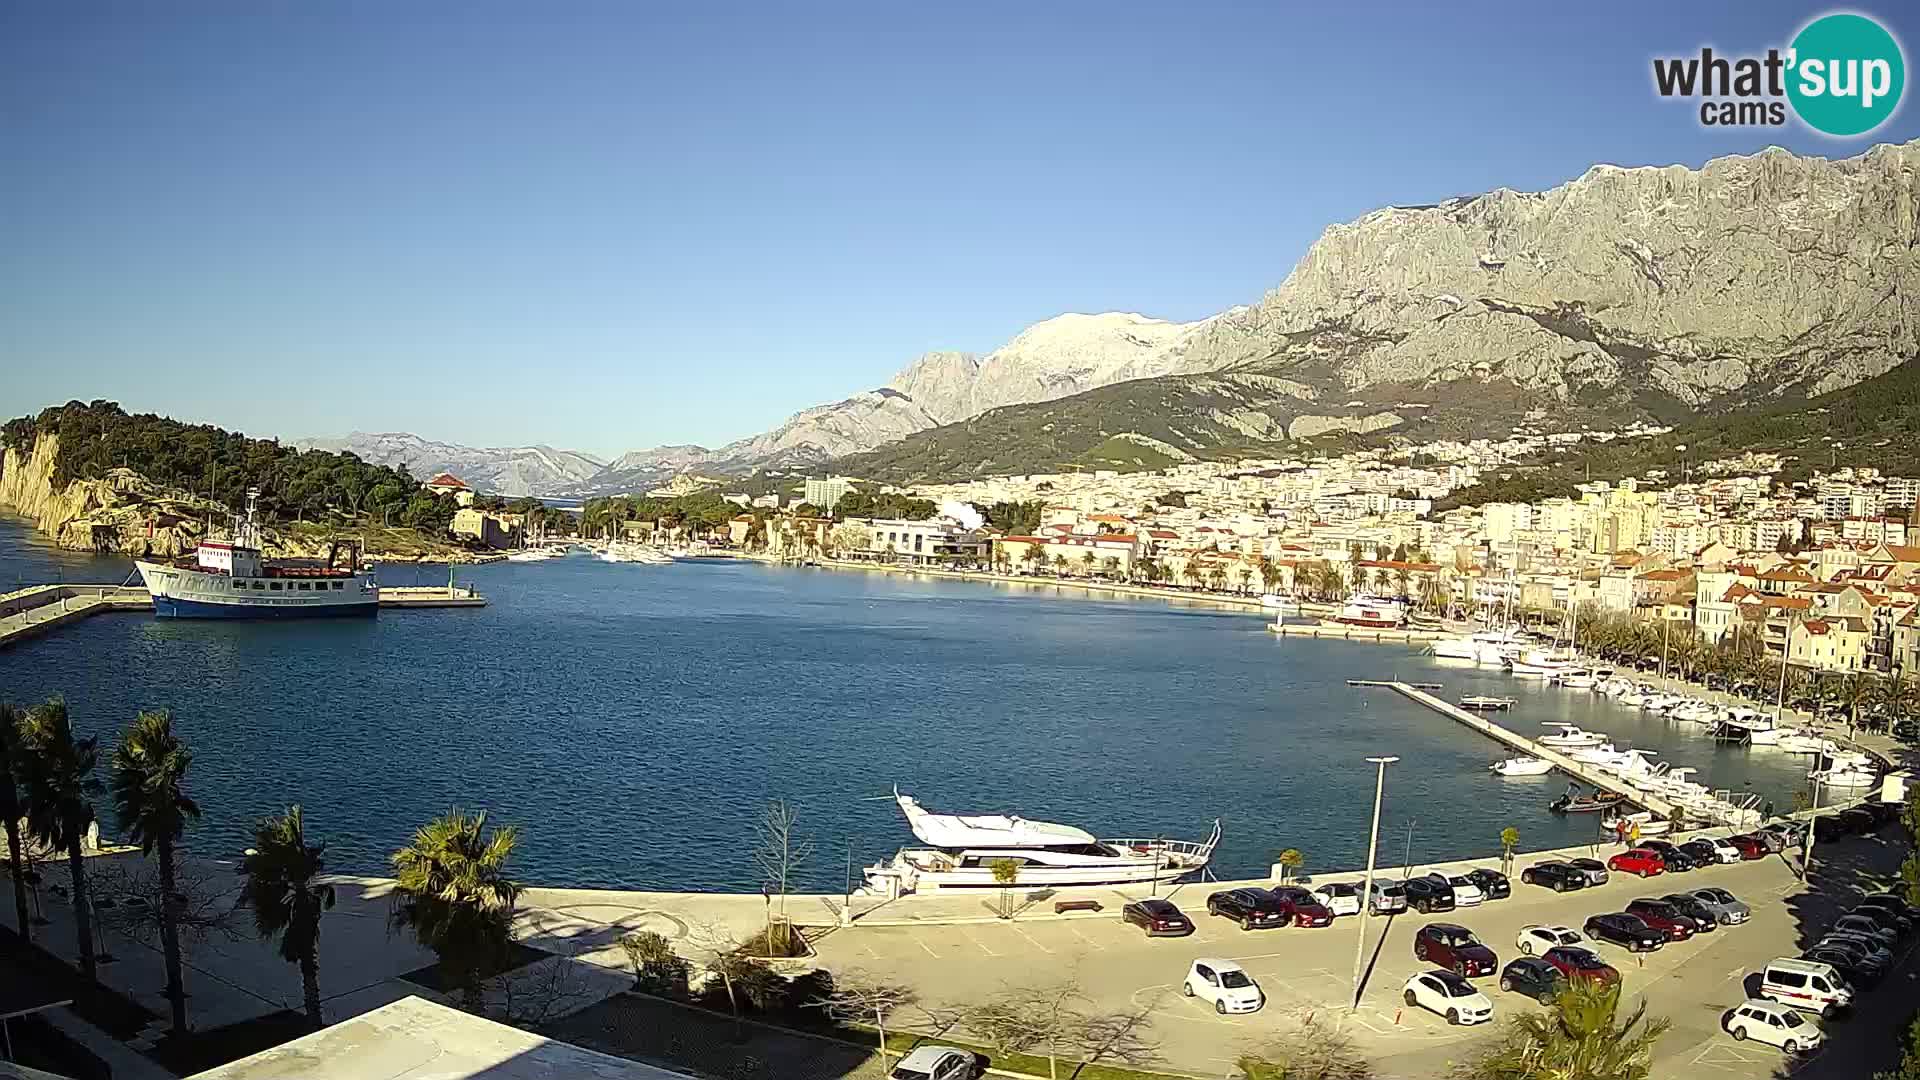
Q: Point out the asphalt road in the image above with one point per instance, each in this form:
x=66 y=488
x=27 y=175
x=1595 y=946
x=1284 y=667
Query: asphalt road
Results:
x=1307 y=974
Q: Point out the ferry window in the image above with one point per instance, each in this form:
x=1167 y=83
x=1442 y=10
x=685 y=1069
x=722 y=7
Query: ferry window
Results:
x=259 y=584
x=304 y=586
x=337 y=586
x=275 y=586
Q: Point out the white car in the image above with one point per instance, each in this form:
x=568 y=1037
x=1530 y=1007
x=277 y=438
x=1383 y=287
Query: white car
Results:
x=1224 y=983
x=1449 y=995
x=1769 y=1022
x=936 y=1063
x=1722 y=849
x=1535 y=939
x=1341 y=897
x=1465 y=892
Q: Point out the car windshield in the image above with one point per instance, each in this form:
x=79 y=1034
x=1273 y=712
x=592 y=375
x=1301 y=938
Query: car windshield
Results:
x=1790 y=1018
x=906 y=1073
x=1460 y=883
x=1566 y=937
x=1720 y=895
x=1157 y=907
x=1234 y=980
x=1457 y=938
x=1390 y=890
x=1457 y=986
x=1585 y=961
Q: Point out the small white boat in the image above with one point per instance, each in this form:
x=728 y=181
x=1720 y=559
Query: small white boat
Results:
x=1483 y=703
x=1643 y=821
x=1807 y=741
x=1285 y=605
x=1522 y=766
x=1571 y=735
x=1577 y=679
x=1846 y=777
x=1595 y=755
x=1535 y=664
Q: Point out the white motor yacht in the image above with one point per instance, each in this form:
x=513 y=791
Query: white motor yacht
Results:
x=1807 y=741
x=1522 y=766
x=1536 y=664
x=1570 y=735
x=1595 y=755
x=1693 y=712
x=1484 y=647
x=1845 y=769
x=1750 y=726
x=1577 y=679
x=963 y=848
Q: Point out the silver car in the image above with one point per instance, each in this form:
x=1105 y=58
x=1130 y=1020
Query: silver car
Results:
x=1728 y=909
x=1388 y=898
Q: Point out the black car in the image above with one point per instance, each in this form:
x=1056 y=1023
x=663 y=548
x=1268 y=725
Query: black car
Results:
x=1892 y=905
x=1557 y=876
x=1159 y=918
x=1251 y=908
x=1857 y=821
x=1884 y=813
x=1627 y=931
x=1847 y=962
x=1533 y=977
x=1828 y=827
x=1701 y=852
x=1678 y=862
x=1690 y=906
x=1492 y=883
x=1884 y=916
x=1429 y=894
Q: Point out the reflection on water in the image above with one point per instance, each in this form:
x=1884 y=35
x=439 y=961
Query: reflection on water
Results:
x=632 y=720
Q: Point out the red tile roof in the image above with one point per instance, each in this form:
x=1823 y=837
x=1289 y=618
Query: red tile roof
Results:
x=447 y=479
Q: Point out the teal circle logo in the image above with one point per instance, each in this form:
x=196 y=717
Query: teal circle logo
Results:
x=1847 y=74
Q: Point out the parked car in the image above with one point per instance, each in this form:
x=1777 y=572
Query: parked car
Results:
x=1493 y=884
x=1857 y=821
x=1451 y=946
x=1251 y=908
x=1224 y=983
x=1449 y=995
x=1642 y=861
x=1675 y=860
x=1387 y=898
x=1827 y=827
x=1774 y=1024
x=1872 y=953
x=1884 y=813
x=938 y=1063
x=1664 y=917
x=1340 y=897
x=1579 y=962
x=1465 y=892
x=1723 y=849
x=1789 y=830
x=1691 y=906
x=1895 y=900
x=1899 y=918
x=1854 y=965
x=1595 y=870
x=1556 y=875
x=1533 y=977
x=1728 y=909
x=1624 y=930
x=1429 y=894
x=1159 y=918
x=1535 y=938
x=1302 y=906
x=1702 y=852
x=1749 y=846
x=1774 y=841
x=1868 y=927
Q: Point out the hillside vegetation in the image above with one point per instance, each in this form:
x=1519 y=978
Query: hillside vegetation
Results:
x=1875 y=423
x=99 y=436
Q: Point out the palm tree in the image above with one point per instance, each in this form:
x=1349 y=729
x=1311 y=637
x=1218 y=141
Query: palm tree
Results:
x=12 y=765
x=457 y=898
x=283 y=889
x=60 y=787
x=1579 y=1036
x=1087 y=560
x=149 y=771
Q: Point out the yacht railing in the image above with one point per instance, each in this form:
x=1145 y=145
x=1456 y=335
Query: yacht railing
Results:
x=1160 y=845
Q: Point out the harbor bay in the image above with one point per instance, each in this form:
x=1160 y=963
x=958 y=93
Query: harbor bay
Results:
x=633 y=720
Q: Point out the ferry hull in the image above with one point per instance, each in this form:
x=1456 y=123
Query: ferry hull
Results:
x=170 y=607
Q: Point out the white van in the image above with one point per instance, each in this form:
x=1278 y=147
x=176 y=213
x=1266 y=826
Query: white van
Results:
x=1806 y=984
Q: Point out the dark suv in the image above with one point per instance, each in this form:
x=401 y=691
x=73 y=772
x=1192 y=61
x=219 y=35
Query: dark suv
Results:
x=1449 y=946
x=1689 y=905
x=1625 y=930
x=1251 y=908
x=1429 y=894
x=1678 y=861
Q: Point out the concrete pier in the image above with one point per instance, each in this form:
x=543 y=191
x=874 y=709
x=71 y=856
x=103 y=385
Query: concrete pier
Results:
x=1353 y=633
x=427 y=596
x=1587 y=774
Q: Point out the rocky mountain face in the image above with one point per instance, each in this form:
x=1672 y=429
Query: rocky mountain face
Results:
x=519 y=470
x=1645 y=289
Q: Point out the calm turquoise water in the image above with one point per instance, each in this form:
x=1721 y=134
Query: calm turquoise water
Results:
x=633 y=720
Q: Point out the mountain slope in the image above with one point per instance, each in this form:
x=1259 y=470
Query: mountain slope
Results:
x=520 y=470
x=1875 y=423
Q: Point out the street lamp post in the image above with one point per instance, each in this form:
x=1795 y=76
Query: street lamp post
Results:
x=1366 y=888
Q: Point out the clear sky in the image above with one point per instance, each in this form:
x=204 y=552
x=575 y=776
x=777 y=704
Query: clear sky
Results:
x=612 y=225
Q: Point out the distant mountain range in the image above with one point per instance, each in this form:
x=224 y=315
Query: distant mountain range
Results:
x=519 y=470
x=1643 y=293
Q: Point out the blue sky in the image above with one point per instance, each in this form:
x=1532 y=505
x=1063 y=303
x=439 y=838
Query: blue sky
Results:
x=608 y=226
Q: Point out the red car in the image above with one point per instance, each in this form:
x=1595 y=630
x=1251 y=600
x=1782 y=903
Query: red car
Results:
x=1666 y=917
x=1455 y=948
x=1751 y=847
x=1643 y=861
x=1577 y=963
x=1303 y=907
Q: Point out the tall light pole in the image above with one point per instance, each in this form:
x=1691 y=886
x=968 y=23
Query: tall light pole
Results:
x=1366 y=889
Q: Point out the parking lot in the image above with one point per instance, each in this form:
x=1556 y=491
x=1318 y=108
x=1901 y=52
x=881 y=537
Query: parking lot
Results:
x=1308 y=974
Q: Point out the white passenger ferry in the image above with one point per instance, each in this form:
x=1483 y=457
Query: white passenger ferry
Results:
x=230 y=580
x=964 y=848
